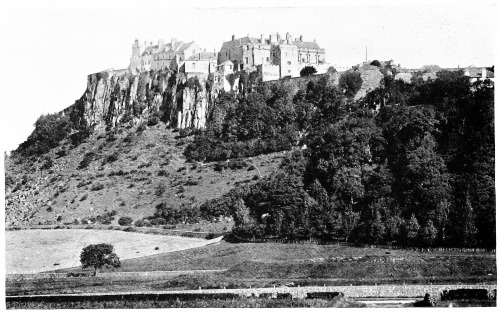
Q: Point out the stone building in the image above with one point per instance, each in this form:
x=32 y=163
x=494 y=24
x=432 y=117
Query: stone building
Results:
x=162 y=55
x=201 y=64
x=291 y=55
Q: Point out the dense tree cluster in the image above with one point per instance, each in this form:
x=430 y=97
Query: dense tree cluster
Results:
x=260 y=122
x=418 y=170
x=49 y=131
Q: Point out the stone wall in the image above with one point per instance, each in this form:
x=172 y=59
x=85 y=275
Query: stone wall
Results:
x=270 y=72
x=371 y=76
x=382 y=291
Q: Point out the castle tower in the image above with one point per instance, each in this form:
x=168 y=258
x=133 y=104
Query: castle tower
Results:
x=135 y=59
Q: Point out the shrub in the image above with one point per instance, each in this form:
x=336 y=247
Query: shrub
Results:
x=84 y=197
x=97 y=187
x=139 y=223
x=308 y=71
x=237 y=164
x=141 y=128
x=87 y=159
x=125 y=221
x=110 y=158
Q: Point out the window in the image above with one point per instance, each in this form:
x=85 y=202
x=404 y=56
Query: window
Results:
x=246 y=60
x=289 y=71
x=230 y=66
x=194 y=65
x=299 y=57
x=267 y=59
x=289 y=63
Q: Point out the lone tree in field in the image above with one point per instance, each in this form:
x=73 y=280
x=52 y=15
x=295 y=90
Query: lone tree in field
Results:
x=308 y=71
x=98 y=256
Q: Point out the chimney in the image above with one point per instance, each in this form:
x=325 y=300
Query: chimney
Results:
x=278 y=37
x=287 y=38
x=233 y=37
x=145 y=44
x=300 y=38
x=262 y=38
x=204 y=50
x=160 y=42
x=483 y=73
x=172 y=42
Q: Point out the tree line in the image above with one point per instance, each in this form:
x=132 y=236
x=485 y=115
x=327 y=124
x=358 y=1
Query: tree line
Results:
x=409 y=164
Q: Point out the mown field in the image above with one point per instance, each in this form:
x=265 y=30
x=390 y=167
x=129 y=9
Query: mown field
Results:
x=34 y=251
x=270 y=264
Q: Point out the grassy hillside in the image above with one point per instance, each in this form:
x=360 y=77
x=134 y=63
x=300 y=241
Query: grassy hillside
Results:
x=290 y=261
x=126 y=172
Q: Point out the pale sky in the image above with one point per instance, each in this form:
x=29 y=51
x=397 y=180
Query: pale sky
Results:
x=49 y=47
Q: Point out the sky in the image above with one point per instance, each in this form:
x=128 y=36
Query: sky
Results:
x=49 y=47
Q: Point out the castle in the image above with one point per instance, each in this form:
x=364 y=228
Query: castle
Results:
x=276 y=57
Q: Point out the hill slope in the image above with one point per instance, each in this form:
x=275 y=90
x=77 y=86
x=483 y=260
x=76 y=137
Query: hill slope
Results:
x=128 y=171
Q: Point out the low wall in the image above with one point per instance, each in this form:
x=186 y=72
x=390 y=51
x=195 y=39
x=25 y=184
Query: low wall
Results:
x=382 y=291
x=105 y=275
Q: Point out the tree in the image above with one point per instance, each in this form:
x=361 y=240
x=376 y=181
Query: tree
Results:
x=99 y=256
x=331 y=70
x=375 y=63
x=350 y=82
x=308 y=71
x=125 y=221
x=429 y=233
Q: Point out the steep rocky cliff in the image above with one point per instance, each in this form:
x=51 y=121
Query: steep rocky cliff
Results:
x=117 y=97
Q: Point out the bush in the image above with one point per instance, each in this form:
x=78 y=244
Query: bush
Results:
x=308 y=71
x=84 y=197
x=110 y=158
x=139 y=223
x=97 y=187
x=350 y=82
x=87 y=159
x=125 y=221
x=237 y=164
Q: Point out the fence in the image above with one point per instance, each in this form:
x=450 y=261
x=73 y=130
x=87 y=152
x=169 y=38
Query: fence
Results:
x=348 y=244
x=144 y=230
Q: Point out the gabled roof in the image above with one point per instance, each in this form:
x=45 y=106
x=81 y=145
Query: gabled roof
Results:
x=177 y=47
x=183 y=46
x=202 y=56
x=226 y=63
x=240 y=41
x=306 y=45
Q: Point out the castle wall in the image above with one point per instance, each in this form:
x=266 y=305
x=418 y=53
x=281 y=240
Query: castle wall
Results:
x=270 y=72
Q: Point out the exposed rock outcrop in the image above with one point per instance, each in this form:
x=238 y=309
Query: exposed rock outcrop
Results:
x=114 y=98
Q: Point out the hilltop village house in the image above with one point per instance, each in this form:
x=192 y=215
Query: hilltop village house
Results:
x=163 y=55
x=275 y=57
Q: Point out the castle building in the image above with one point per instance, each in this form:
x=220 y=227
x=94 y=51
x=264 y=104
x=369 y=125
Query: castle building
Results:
x=171 y=55
x=201 y=64
x=288 y=55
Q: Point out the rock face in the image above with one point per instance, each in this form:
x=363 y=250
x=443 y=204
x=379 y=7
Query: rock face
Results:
x=371 y=77
x=118 y=97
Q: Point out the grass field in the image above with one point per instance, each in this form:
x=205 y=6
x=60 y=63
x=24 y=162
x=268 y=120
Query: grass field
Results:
x=268 y=264
x=33 y=251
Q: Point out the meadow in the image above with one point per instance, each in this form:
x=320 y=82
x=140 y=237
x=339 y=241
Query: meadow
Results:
x=35 y=251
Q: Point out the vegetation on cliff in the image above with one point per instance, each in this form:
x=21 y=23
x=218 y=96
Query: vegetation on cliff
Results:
x=410 y=163
x=418 y=172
